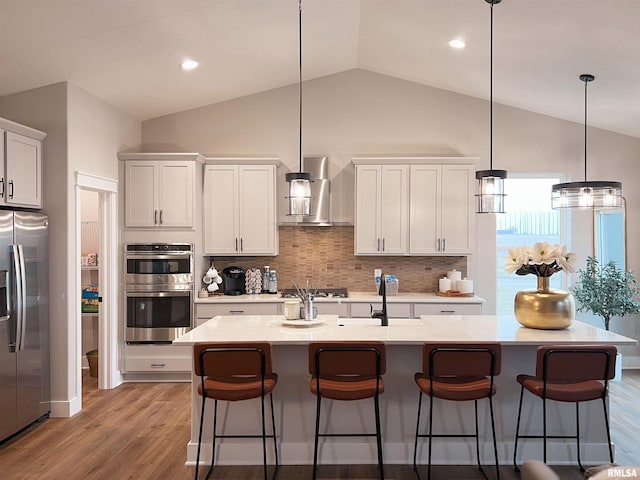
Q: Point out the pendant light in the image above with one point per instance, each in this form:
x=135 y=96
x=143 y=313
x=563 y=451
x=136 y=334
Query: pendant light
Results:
x=490 y=183
x=587 y=194
x=299 y=182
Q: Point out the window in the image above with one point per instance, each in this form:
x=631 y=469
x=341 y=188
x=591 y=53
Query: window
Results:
x=610 y=237
x=528 y=218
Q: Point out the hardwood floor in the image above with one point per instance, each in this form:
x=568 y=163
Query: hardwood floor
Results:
x=139 y=431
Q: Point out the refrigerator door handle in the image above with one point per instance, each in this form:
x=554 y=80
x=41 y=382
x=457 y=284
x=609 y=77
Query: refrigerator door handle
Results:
x=18 y=268
x=23 y=300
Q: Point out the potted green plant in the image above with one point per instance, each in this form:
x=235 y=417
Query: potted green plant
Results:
x=606 y=291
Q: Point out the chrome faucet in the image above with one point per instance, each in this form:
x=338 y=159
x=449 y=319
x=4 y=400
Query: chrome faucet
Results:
x=382 y=314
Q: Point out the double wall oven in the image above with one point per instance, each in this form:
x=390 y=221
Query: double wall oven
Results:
x=159 y=289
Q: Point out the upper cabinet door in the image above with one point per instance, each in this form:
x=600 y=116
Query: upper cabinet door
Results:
x=141 y=194
x=368 y=198
x=22 y=182
x=220 y=209
x=381 y=209
x=457 y=207
x=176 y=194
x=425 y=213
x=257 y=202
x=394 y=208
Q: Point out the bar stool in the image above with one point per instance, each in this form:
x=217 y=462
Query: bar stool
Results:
x=568 y=373
x=347 y=371
x=458 y=372
x=234 y=372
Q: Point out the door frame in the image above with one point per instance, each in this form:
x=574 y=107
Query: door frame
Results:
x=109 y=375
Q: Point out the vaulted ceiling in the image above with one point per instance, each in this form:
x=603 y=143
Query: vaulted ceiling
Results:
x=128 y=52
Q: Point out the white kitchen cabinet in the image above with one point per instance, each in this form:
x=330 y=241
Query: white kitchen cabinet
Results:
x=20 y=165
x=441 y=209
x=381 y=210
x=206 y=311
x=157 y=359
x=240 y=215
x=160 y=189
x=452 y=308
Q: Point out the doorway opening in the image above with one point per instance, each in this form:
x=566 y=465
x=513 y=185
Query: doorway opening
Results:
x=97 y=197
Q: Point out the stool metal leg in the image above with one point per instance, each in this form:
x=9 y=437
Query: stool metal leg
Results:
x=430 y=434
x=275 y=440
x=606 y=422
x=378 y=436
x=493 y=431
x=544 y=429
x=515 y=446
x=315 y=440
x=415 y=445
x=578 y=436
x=264 y=439
x=200 y=438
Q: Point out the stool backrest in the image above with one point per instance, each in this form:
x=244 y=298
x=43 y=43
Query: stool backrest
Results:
x=461 y=359
x=232 y=359
x=348 y=358
x=577 y=363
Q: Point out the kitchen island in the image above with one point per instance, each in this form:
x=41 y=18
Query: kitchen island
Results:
x=295 y=405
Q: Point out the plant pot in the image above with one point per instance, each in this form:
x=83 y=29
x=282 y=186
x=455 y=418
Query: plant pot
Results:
x=544 y=308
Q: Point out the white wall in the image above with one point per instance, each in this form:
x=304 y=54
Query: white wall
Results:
x=359 y=112
x=84 y=133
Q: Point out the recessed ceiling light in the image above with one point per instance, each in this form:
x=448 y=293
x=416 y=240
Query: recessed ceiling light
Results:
x=456 y=43
x=189 y=65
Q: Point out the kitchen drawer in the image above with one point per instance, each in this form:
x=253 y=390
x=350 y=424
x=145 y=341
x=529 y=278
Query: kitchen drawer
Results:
x=340 y=309
x=394 y=310
x=206 y=311
x=447 y=309
x=157 y=358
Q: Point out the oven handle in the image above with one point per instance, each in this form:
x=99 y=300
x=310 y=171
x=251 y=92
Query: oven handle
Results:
x=158 y=256
x=172 y=293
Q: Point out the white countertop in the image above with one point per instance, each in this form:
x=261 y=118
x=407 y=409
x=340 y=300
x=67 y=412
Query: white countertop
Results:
x=354 y=297
x=464 y=328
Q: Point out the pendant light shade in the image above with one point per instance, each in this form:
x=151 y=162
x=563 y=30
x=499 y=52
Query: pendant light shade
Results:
x=299 y=182
x=490 y=183
x=587 y=194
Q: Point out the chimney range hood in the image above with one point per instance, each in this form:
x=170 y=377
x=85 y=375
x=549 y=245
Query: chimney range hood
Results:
x=318 y=167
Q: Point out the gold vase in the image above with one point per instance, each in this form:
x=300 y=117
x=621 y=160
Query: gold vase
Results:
x=544 y=308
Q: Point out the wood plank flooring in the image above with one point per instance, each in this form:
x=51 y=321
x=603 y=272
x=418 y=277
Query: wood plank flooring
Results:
x=139 y=431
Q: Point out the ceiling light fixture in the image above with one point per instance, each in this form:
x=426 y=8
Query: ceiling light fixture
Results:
x=189 y=65
x=299 y=182
x=456 y=43
x=490 y=183
x=587 y=194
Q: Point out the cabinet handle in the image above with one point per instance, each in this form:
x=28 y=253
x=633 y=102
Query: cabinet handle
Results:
x=438 y=247
x=161 y=215
x=2 y=191
x=378 y=247
x=158 y=365
x=444 y=245
x=383 y=244
x=236 y=312
x=241 y=246
x=236 y=244
x=447 y=311
x=155 y=217
x=10 y=188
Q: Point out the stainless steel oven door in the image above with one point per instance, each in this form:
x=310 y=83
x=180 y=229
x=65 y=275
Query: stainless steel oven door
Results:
x=158 y=316
x=158 y=268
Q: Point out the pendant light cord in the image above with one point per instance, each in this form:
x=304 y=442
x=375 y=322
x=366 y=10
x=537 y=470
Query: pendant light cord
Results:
x=300 y=81
x=586 y=82
x=491 y=95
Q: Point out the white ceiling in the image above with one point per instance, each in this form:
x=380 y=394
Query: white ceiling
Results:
x=127 y=52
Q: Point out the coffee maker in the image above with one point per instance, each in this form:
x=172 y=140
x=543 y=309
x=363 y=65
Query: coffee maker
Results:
x=233 y=279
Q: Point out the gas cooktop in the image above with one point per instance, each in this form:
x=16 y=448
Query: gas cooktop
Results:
x=322 y=293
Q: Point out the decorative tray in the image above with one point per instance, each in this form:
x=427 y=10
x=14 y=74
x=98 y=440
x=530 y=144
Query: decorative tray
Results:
x=454 y=293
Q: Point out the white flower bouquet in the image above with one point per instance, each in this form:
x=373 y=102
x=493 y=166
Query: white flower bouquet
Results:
x=542 y=259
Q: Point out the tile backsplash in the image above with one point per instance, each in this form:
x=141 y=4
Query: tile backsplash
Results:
x=324 y=256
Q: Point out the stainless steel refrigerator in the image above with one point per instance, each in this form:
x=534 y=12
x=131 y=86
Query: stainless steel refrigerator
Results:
x=24 y=320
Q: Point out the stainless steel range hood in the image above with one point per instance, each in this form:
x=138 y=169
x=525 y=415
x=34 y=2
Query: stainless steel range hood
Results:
x=318 y=167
